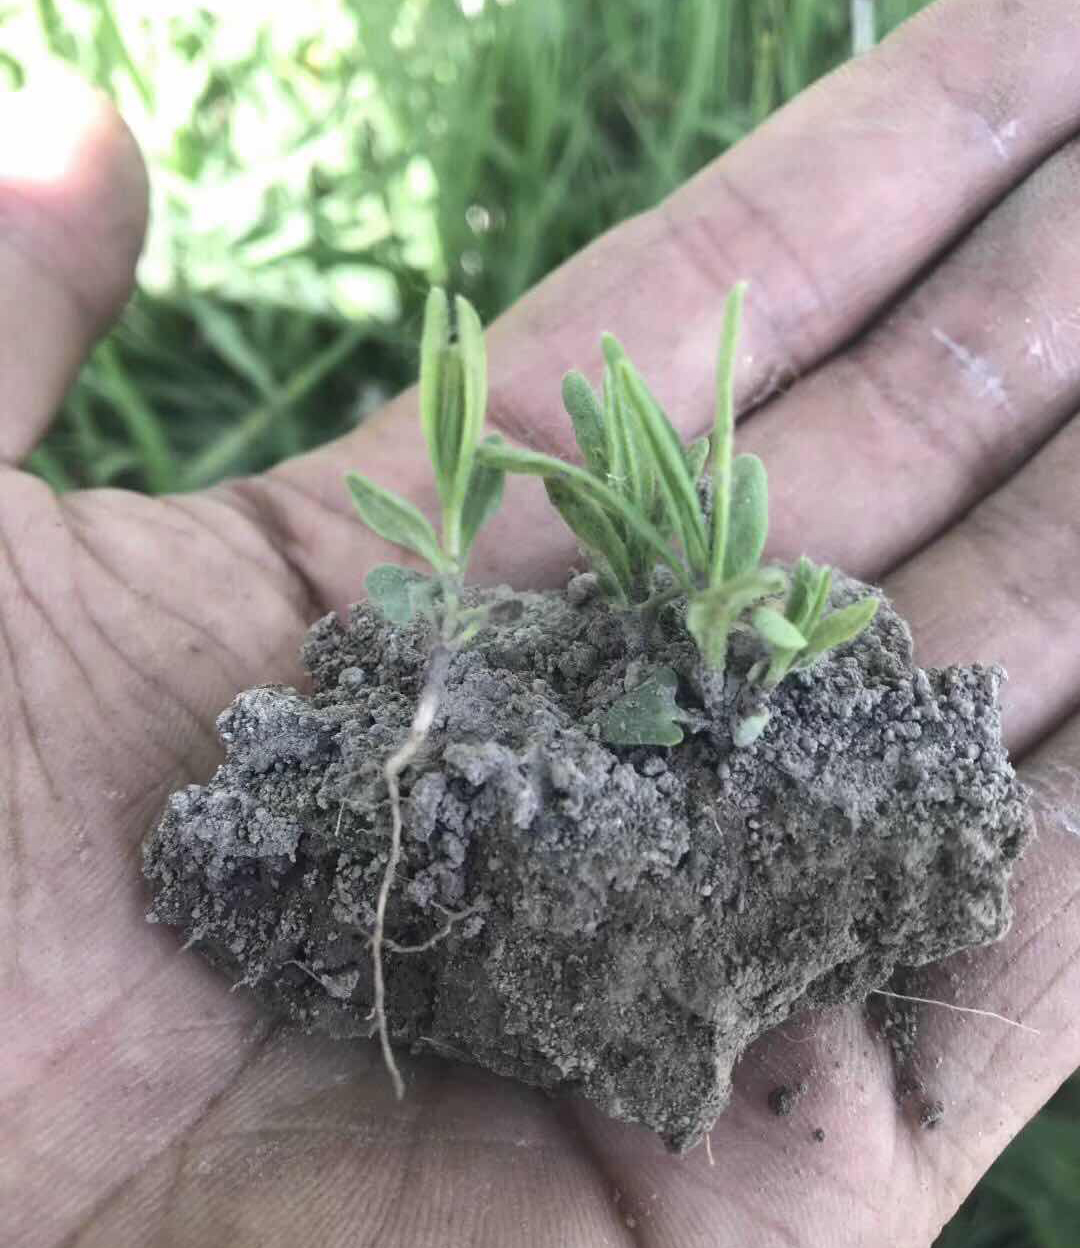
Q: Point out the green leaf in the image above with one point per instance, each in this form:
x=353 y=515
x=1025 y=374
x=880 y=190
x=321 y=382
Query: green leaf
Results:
x=394 y=519
x=533 y=463
x=482 y=500
x=587 y=416
x=839 y=627
x=668 y=467
x=633 y=472
x=697 y=456
x=614 y=439
x=474 y=364
x=749 y=523
x=780 y=633
x=434 y=348
x=724 y=431
x=390 y=589
x=591 y=525
x=804 y=583
x=820 y=600
x=647 y=715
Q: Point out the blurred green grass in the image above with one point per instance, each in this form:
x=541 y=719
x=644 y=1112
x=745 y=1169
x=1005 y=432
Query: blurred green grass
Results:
x=316 y=166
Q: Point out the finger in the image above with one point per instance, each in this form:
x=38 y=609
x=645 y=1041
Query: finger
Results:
x=1004 y=586
x=72 y=218
x=830 y=209
x=891 y=440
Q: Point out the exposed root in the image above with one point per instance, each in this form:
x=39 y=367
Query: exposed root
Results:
x=452 y=917
x=960 y=1009
x=395 y=765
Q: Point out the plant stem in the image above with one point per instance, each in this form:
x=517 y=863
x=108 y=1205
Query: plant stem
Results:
x=650 y=610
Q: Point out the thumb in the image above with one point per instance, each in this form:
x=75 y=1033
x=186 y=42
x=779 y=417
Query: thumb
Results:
x=73 y=205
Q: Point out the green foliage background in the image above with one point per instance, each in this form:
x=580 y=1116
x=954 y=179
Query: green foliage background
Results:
x=317 y=165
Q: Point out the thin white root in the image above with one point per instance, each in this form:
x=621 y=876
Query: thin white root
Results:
x=959 y=1009
x=452 y=917
x=395 y=765
x=708 y=1150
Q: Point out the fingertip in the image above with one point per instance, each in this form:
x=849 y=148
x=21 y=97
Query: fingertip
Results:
x=73 y=191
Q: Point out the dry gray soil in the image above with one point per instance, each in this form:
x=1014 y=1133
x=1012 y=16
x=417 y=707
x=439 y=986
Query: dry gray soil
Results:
x=620 y=922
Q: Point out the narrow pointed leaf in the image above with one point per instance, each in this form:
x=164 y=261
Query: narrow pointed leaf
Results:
x=668 y=466
x=749 y=523
x=613 y=437
x=394 y=519
x=631 y=476
x=434 y=343
x=724 y=431
x=647 y=715
x=450 y=422
x=390 y=589
x=841 y=626
x=589 y=522
x=820 y=600
x=533 y=463
x=697 y=456
x=800 y=596
x=587 y=416
x=474 y=366
x=482 y=500
x=780 y=633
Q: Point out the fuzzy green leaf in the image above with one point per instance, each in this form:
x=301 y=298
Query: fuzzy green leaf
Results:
x=482 y=500
x=697 y=456
x=820 y=600
x=647 y=715
x=390 y=589
x=634 y=477
x=474 y=365
x=587 y=416
x=395 y=519
x=724 y=431
x=780 y=633
x=667 y=454
x=749 y=522
x=591 y=525
x=804 y=583
x=434 y=348
x=840 y=627
x=533 y=463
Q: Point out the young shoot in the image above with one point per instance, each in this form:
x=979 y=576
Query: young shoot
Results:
x=636 y=506
x=453 y=399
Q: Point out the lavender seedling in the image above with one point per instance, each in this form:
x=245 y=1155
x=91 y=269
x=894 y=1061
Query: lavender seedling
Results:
x=453 y=400
x=636 y=508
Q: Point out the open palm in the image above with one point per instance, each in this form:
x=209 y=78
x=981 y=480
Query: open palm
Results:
x=911 y=229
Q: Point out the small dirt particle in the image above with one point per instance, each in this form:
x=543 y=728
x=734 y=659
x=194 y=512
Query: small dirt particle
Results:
x=819 y=1135
x=783 y=1099
x=930 y=1114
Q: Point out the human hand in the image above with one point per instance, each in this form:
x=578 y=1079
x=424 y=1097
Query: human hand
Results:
x=914 y=388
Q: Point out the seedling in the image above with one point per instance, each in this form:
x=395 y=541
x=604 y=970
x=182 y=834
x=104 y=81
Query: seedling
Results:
x=636 y=507
x=453 y=398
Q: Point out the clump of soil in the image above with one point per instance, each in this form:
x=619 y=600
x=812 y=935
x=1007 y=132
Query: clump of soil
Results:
x=619 y=923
